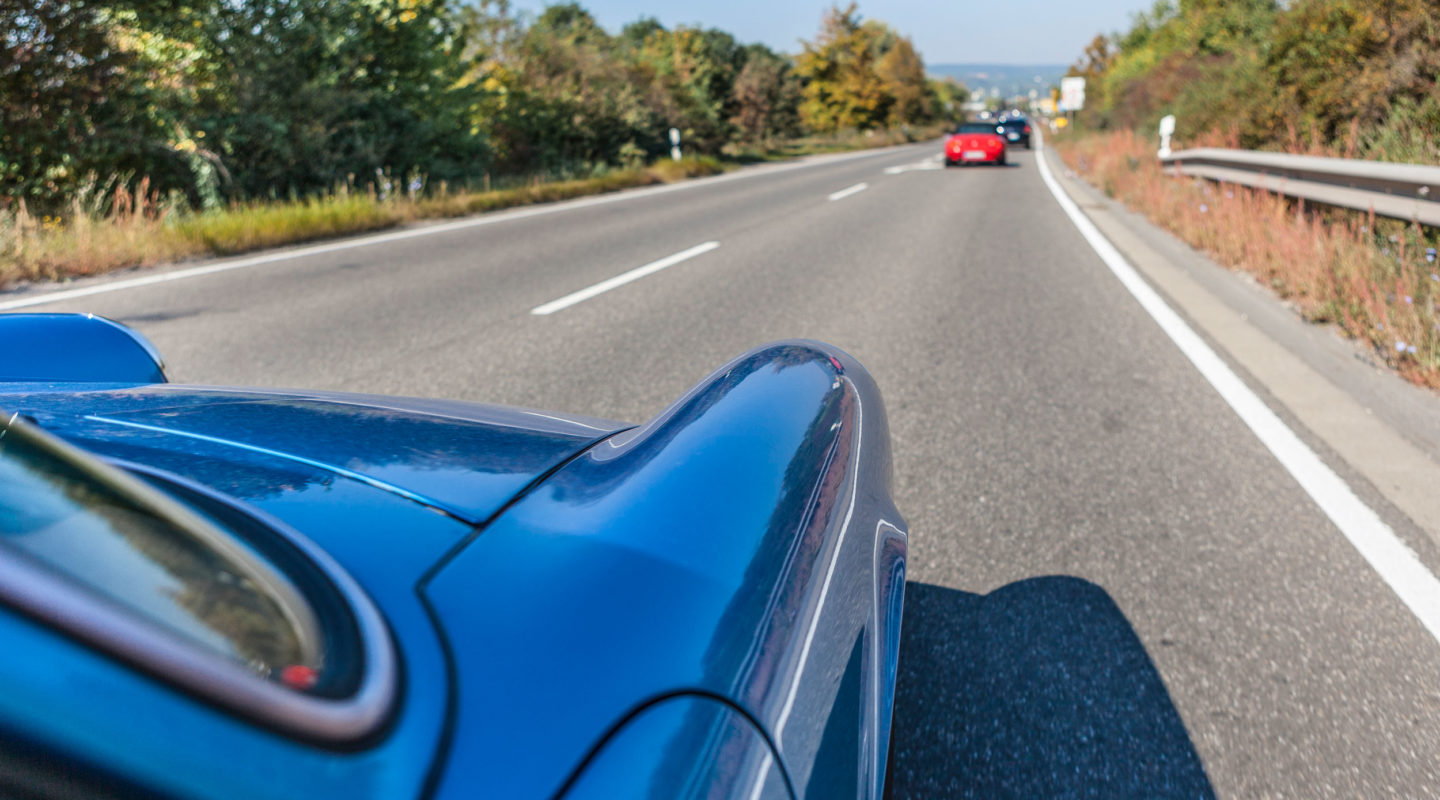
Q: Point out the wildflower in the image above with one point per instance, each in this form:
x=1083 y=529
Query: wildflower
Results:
x=1394 y=238
x=1204 y=208
x=1435 y=276
x=1230 y=194
x=415 y=185
x=1400 y=346
x=1410 y=349
x=1409 y=301
x=1379 y=326
x=1430 y=255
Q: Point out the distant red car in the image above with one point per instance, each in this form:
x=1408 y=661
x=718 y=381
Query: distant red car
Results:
x=975 y=143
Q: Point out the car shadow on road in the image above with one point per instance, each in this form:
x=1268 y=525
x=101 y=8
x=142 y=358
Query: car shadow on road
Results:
x=1038 y=689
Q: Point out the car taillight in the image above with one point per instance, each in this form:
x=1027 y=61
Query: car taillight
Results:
x=1027 y=128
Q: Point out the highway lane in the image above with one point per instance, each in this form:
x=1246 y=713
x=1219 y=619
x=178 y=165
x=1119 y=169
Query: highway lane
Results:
x=359 y=312
x=1115 y=585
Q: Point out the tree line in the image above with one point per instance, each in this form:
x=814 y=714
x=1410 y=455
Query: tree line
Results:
x=225 y=100
x=1355 y=77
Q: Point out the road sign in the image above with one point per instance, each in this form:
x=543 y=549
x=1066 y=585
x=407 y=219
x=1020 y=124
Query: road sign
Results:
x=1072 y=93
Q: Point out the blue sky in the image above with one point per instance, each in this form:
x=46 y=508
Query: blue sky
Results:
x=958 y=31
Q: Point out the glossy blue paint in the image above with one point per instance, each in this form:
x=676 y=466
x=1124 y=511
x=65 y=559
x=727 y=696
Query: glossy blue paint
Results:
x=128 y=724
x=462 y=466
x=64 y=697
x=686 y=747
x=743 y=545
x=75 y=347
x=731 y=572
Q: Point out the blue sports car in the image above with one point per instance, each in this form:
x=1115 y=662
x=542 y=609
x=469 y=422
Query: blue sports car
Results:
x=237 y=593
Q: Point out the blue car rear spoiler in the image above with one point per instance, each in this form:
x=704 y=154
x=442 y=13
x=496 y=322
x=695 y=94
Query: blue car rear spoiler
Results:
x=76 y=348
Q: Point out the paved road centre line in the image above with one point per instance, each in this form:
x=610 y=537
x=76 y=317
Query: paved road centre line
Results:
x=622 y=279
x=425 y=230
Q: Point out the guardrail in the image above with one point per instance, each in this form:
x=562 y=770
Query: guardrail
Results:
x=1400 y=191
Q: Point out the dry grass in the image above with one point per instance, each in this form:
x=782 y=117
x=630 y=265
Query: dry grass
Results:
x=839 y=142
x=132 y=228
x=1377 y=280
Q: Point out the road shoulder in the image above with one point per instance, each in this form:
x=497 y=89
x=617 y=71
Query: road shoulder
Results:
x=1385 y=429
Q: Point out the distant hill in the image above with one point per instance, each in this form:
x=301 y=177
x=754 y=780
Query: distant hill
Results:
x=1009 y=79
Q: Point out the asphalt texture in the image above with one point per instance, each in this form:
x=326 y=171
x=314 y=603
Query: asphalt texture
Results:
x=1115 y=590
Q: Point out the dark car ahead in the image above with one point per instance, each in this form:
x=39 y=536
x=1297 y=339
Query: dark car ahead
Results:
x=1015 y=130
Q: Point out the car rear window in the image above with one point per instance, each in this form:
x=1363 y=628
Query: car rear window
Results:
x=976 y=127
x=102 y=534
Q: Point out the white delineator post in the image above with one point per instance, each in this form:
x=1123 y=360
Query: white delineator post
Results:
x=675 y=144
x=1167 y=129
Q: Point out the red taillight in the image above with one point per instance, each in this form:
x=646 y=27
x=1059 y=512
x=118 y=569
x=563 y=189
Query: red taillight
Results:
x=1027 y=128
x=299 y=676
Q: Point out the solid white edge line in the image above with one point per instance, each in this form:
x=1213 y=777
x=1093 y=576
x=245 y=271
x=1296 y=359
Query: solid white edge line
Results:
x=621 y=279
x=427 y=230
x=1395 y=562
x=849 y=190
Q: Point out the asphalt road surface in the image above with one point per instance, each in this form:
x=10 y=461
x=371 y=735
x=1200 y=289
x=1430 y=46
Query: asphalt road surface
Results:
x=1116 y=590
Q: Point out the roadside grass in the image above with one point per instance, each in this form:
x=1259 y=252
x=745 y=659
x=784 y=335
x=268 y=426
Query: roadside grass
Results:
x=1378 y=280
x=133 y=228
x=839 y=142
